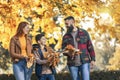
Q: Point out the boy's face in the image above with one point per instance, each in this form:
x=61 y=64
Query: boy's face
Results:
x=42 y=41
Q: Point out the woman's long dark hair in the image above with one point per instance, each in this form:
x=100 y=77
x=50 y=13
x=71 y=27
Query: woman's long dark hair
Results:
x=20 y=28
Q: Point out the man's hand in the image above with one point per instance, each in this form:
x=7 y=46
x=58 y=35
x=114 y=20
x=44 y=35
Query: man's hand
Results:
x=92 y=64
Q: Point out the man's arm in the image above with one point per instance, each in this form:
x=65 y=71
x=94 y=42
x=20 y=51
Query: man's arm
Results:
x=90 y=48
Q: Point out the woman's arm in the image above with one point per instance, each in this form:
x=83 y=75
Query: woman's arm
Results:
x=12 y=50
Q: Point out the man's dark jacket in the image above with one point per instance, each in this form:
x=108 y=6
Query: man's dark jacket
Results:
x=84 y=45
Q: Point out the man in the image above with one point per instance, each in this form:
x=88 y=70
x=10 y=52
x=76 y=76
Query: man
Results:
x=79 y=39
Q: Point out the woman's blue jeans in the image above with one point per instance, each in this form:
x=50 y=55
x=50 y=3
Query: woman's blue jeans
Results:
x=84 y=69
x=21 y=72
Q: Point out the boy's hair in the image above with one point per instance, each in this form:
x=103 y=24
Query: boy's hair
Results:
x=38 y=37
x=69 y=18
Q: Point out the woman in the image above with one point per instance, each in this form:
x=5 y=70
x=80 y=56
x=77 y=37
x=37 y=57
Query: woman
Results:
x=20 y=51
x=42 y=69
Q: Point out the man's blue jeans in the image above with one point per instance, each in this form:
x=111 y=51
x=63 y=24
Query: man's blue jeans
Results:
x=47 y=77
x=21 y=72
x=84 y=69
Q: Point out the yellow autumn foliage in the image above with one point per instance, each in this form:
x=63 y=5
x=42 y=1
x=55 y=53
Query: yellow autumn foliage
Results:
x=114 y=61
x=41 y=13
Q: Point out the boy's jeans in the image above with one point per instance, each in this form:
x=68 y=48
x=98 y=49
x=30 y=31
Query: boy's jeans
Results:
x=84 y=69
x=21 y=72
x=47 y=77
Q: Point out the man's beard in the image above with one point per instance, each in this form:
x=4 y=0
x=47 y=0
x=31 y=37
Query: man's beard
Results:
x=70 y=28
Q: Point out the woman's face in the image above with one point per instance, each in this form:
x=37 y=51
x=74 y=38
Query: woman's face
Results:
x=26 y=29
x=43 y=40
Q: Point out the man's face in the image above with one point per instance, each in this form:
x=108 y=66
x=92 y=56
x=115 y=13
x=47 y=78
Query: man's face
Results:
x=69 y=22
x=69 y=25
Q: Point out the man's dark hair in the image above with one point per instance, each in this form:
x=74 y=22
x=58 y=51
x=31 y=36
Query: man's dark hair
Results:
x=39 y=36
x=69 y=18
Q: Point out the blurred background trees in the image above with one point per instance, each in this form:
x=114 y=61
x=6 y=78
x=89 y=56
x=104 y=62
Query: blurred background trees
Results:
x=101 y=18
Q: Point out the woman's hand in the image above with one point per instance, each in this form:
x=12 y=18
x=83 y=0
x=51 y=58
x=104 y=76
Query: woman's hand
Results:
x=30 y=60
x=31 y=55
x=24 y=56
